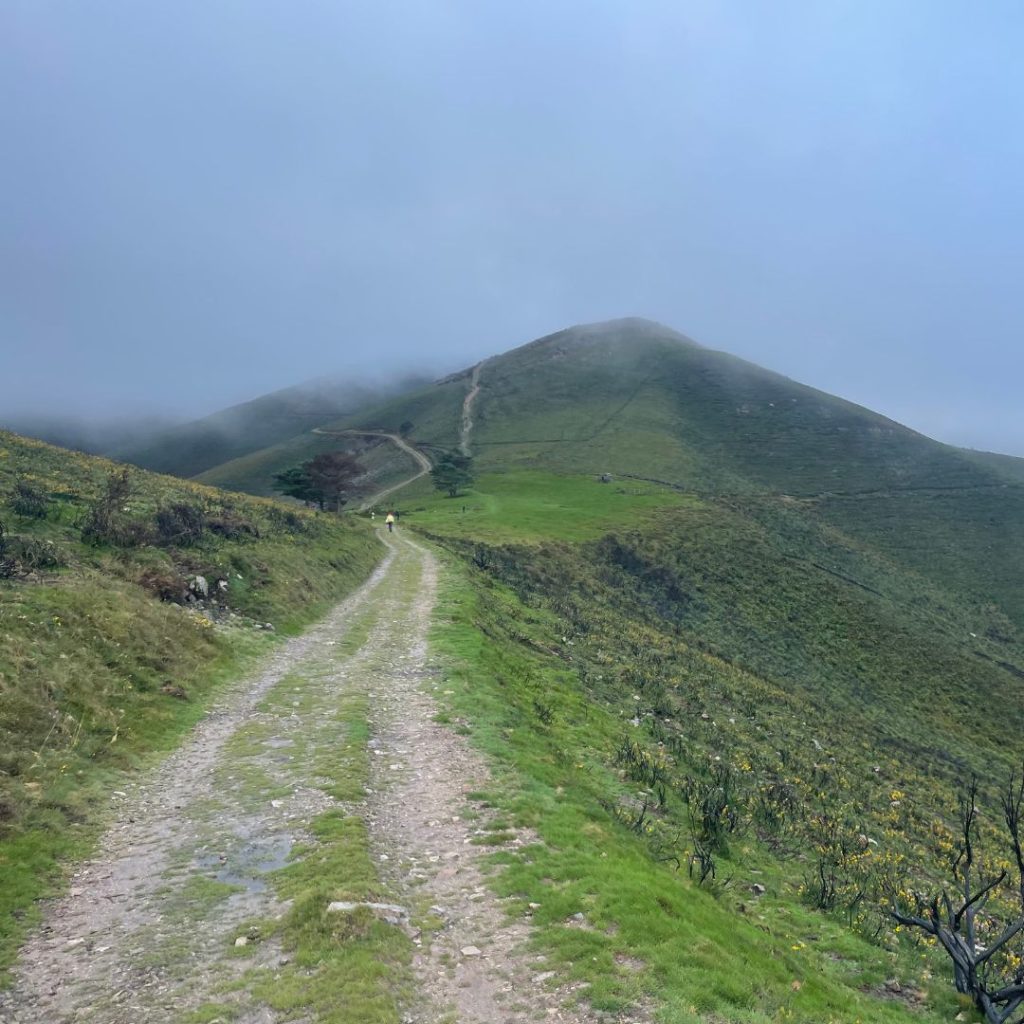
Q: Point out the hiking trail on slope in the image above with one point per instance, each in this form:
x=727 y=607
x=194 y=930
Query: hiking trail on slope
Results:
x=467 y=408
x=424 y=463
x=133 y=941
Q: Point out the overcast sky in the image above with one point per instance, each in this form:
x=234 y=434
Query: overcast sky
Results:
x=204 y=200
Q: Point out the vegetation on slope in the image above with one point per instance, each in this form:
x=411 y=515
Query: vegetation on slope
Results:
x=106 y=654
x=195 y=447
x=626 y=662
x=383 y=463
x=433 y=410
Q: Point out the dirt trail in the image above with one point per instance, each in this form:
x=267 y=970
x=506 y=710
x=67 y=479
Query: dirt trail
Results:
x=142 y=936
x=424 y=463
x=467 y=408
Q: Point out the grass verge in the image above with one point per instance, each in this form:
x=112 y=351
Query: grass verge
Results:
x=612 y=917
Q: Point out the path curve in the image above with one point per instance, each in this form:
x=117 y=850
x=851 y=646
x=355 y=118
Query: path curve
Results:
x=424 y=463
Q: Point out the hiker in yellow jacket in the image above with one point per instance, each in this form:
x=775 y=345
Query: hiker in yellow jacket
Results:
x=391 y=522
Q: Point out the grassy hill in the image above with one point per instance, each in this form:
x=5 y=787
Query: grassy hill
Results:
x=733 y=692
x=628 y=654
x=782 y=602
x=109 y=646
x=434 y=410
x=640 y=401
x=193 y=448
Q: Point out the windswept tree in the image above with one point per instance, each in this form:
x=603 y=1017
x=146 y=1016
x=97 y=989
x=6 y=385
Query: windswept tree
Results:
x=296 y=483
x=334 y=474
x=978 y=919
x=453 y=472
x=326 y=480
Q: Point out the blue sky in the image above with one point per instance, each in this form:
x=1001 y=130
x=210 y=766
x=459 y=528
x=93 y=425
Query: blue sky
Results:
x=204 y=201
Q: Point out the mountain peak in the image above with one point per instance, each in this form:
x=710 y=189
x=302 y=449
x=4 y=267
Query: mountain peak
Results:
x=630 y=330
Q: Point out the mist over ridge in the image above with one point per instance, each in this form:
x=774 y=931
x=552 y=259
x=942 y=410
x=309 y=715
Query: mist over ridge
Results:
x=201 y=205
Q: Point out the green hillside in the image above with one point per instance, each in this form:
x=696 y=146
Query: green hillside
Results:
x=623 y=651
x=107 y=654
x=780 y=596
x=433 y=410
x=638 y=400
x=733 y=689
x=192 y=448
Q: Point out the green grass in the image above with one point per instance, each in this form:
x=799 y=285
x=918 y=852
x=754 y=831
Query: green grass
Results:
x=347 y=968
x=91 y=660
x=749 y=630
x=650 y=931
x=534 y=506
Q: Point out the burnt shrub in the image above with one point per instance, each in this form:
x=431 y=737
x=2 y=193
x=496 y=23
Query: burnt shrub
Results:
x=33 y=553
x=231 y=526
x=8 y=564
x=165 y=585
x=180 y=524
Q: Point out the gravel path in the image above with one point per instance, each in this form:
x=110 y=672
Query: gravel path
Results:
x=147 y=931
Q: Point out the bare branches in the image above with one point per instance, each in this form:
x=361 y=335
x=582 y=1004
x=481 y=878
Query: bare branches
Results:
x=955 y=927
x=1012 y=802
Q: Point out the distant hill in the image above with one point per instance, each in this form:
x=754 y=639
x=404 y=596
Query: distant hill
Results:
x=192 y=448
x=433 y=409
x=89 y=434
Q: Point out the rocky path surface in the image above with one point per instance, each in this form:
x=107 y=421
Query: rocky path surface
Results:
x=151 y=929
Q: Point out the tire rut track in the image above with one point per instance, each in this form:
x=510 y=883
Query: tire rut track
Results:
x=126 y=946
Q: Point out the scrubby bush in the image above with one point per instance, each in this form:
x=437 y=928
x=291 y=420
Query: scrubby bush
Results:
x=33 y=553
x=232 y=526
x=285 y=519
x=164 y=584
x=181 y=524
x=106 y=521
x=8 y=566
x=29 y=501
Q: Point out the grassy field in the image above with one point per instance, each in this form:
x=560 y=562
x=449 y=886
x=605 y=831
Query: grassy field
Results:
x=533 y=506
x=104 y=662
